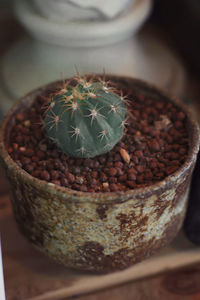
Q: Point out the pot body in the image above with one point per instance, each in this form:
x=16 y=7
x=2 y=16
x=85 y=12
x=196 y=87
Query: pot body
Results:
x=105 y=231
x=81 y=10
x=64 y=12
x=78 y=32
x=99 y=237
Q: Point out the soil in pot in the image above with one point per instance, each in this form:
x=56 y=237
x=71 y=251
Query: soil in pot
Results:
x=155 y=145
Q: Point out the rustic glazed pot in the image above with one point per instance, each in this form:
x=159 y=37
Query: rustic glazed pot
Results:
x=99 y=232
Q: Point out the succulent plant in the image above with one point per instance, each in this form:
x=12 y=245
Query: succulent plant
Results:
x=86 y=119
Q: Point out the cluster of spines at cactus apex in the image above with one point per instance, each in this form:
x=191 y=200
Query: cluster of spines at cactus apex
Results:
x=85 y=119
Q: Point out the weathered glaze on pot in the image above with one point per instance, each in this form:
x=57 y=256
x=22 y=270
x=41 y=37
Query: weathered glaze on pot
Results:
x=105 y=231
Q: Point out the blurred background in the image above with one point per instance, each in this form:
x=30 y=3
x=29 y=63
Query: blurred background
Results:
x=157 y=41
x=179 y=21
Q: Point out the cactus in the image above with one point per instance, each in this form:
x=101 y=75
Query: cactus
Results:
x=87 y=119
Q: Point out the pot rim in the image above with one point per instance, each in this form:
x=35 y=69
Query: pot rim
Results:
x=101 y=197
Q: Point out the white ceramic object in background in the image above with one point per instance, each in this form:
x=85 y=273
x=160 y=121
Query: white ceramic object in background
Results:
x=31 y=64
x=85 y=33
x=63 y=11
x=142 y=56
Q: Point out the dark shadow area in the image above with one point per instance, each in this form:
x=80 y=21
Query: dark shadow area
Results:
x=180 y=21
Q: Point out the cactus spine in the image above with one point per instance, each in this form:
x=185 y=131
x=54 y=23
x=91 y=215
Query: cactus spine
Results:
x=87 y=119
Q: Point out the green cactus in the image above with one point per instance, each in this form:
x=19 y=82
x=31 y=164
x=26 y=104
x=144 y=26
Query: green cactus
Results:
x=87 y=119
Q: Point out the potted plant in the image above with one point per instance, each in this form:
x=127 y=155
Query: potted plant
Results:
x=98 y=182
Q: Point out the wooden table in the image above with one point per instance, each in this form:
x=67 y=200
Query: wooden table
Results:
x=180 y=284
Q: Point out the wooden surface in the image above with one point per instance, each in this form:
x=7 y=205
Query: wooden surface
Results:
x=178 y=284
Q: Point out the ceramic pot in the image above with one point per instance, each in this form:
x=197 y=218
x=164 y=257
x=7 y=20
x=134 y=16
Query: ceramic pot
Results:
x=99 y=232
x=80 y=10
x=79 y=33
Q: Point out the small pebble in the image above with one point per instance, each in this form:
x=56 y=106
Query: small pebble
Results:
x=45 y=175
x=112 y=171
x=125 y=156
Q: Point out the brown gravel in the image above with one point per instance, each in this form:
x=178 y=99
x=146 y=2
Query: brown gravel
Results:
x=154 y=146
